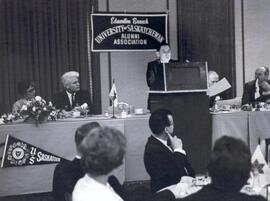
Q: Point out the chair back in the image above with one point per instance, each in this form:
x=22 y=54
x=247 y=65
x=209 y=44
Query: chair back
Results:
x=68 y=196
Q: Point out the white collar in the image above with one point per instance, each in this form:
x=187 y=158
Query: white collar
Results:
x=70 y=94
x=162 y=141
x=107 y=186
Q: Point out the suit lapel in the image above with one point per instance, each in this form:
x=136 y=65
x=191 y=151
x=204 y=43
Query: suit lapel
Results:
x=66 y=100
x=156 y=142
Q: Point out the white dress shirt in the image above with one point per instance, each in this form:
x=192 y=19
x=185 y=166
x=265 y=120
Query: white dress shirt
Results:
x=88 y=189
x=70 y=97
x=257 y=89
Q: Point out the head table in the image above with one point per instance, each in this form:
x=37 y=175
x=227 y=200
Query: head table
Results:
x=57 y=137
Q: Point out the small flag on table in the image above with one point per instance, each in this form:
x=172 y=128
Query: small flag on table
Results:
x=19 y=153
x=113 y=94
x=260 y=169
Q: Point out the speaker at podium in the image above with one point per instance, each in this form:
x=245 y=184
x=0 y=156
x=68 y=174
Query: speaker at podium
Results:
x=183 y=77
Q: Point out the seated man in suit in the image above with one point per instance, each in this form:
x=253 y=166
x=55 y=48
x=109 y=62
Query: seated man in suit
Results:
x=67 y=173
x=154 y=73
x=257 y=90
x=164 y=158
x=72 y=96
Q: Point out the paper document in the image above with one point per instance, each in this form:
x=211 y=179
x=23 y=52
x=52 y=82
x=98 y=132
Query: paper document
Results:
x=218 y=87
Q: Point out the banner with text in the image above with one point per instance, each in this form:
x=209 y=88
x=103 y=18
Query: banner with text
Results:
x=128 y=32
x=20 y=153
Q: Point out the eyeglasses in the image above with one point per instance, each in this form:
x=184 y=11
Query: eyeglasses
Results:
x=31 y=89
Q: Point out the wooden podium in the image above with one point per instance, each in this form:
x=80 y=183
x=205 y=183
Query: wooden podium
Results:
x=190 y=108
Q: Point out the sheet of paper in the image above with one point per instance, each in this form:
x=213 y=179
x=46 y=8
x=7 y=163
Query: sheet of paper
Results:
x=218 y=87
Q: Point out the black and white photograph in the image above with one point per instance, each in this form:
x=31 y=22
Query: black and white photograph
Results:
x=134 y=100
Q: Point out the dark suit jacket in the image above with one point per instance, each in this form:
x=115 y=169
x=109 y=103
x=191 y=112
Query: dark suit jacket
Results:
x=164 y=166
x=210 y=193
x=65 y=177
x=249 y=94
x=61 y=100
x=155 y=76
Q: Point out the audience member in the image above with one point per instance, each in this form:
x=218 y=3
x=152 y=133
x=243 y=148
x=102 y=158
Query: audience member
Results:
x=103 y=150
x=27 y=91
x=154 y=74
x=229 y=168
x=67 y=173
x=72 y=96
x=165 y=163
x=257 y=90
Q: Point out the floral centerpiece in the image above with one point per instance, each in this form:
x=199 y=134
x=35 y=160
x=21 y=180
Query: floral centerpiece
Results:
x=9 y=118
x=38 y=110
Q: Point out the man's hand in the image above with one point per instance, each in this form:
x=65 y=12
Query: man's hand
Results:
x=176 y=143
x=67 y=114
x=265 y=86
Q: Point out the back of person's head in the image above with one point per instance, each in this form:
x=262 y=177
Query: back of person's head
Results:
x=159 y=120
x=83 y=130
x=24 y=85
x=67 y=77
x=103 y=150
x=230 y=163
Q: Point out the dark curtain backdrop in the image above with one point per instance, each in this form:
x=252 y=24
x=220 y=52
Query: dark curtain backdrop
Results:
x=42 y=39
x=206 y=33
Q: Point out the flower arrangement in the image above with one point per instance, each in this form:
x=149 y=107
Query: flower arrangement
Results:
x=9 y=118
x=38 y=110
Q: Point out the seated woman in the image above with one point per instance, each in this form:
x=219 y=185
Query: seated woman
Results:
x=229 y=168
x=103 y=150
x=27 y=91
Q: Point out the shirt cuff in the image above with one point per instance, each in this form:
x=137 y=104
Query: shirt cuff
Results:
x=182 y=151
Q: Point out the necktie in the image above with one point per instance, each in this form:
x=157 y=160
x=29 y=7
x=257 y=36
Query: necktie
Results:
x=73 y=100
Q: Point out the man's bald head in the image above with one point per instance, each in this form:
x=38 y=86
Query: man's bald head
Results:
x=262 y=73
x=213 y=77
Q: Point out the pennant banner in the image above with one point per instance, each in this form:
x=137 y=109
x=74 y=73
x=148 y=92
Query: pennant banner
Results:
x=20 y=153
x=260 y=169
